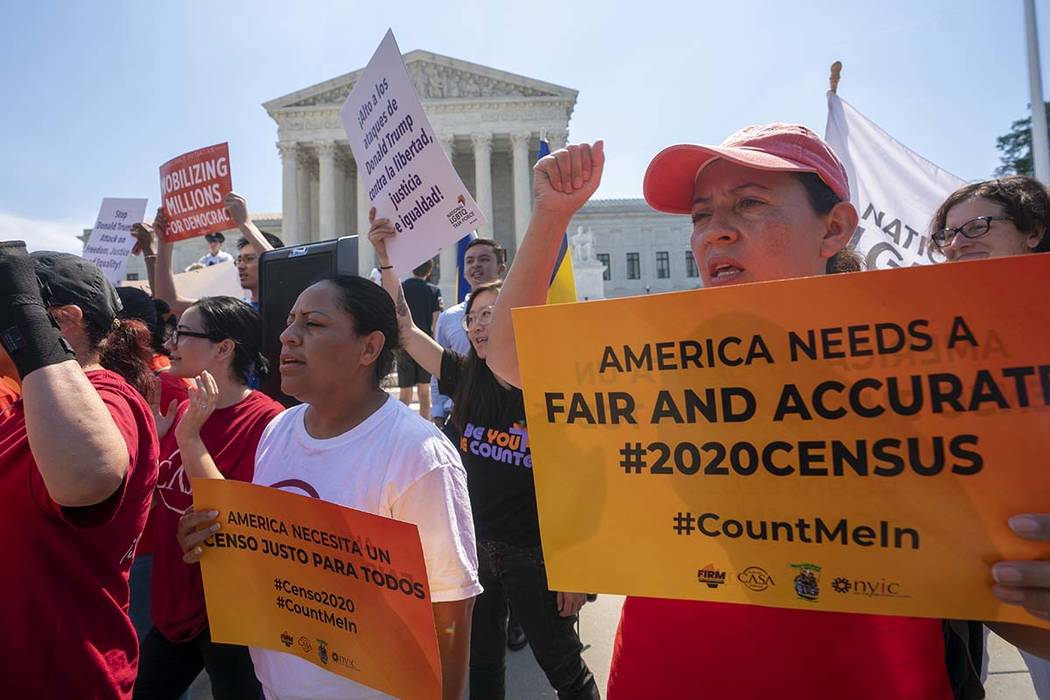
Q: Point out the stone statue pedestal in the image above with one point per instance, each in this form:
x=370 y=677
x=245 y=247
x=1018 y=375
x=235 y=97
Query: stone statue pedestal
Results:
x=590 y=283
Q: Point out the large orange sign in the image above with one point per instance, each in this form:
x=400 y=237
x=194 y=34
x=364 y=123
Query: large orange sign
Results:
x=851 y=442
x=343 y=589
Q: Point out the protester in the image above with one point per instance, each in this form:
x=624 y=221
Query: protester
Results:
x=993 y=219
x=349 y=443
x=424 y=300
x=771 y=203
x=215 y=254
x=219 y=342
x=78 y=462
x=158 y=265
x=482 y=264
x=503 y=499
x=169 y=392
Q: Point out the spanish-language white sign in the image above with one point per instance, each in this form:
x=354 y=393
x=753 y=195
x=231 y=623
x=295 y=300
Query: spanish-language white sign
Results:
x=111 y=240
x=406 y=174
x=895 y=190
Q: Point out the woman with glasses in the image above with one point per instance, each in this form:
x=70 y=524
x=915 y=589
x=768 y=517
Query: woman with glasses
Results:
x=217 y=343
x=994 y=219
x=490 y=414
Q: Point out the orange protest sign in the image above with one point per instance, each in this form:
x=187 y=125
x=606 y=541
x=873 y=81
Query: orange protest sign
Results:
x=852 y=442
x=192 y=188
x=343 y=589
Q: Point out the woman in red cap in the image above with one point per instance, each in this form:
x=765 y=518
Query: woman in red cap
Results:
x=78 y=462
x=771 y=202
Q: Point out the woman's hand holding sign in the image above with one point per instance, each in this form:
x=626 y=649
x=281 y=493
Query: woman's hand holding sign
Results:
x=194 y=528
x=1026 y=583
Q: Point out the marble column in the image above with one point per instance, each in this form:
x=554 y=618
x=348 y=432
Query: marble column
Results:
x=483 y=179
x=326 y=198
x=522 y=201
x=448 y=253
x=305 y=232
x=289 y=192
x=340 y=194
x=365 y=251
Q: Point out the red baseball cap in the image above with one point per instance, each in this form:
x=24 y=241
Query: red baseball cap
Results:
x=672 y=174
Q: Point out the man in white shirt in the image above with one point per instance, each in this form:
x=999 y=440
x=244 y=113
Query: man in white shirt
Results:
x=215 y=254
x=484 y=261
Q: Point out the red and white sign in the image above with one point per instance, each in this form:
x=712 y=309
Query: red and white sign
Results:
x=192 y=187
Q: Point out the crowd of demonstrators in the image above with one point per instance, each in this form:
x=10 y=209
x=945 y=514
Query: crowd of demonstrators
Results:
x=76 y=506
x=350 y=443
x=502 y=497
x=152 y=244
x=424 y=301
x=770 y=203
x=217 y=344
x=993 y=219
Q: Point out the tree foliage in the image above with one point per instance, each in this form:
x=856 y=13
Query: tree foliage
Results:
x=1015 y=148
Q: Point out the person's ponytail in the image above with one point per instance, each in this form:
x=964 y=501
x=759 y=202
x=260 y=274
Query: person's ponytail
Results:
x=127 y=350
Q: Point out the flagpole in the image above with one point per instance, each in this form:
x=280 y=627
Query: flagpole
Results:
x=836 y=75
x=1040 y=140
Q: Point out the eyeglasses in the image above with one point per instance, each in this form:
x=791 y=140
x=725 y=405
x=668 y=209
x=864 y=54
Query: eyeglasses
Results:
x=246 y=259
x=482 y=316
x=176 y=334
x=974 y=228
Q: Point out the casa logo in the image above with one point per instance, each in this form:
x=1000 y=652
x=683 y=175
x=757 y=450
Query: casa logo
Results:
x=755 y=578
x=711 y=576
x=322 y=651
x=342 y=660
x=871 y=588
x=807 y=581
x=287 y=639
x=305 y=645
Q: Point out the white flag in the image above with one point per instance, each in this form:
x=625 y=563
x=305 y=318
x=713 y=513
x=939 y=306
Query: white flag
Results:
x=894 y=190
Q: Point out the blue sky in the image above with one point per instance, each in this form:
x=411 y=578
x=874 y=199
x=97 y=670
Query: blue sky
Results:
x=98 y=95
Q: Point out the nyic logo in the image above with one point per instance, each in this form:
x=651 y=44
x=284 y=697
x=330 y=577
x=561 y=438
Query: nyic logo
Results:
x=711 y=576
x=807 y=581
x=881 y=588
x=756 y=578
x=287 y=639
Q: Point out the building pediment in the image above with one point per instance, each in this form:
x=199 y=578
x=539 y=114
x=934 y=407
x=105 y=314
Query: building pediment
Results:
x=435 y=77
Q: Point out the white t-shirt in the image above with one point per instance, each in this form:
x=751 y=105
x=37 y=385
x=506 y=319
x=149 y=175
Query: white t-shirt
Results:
x=220 y=257
x=394 y=464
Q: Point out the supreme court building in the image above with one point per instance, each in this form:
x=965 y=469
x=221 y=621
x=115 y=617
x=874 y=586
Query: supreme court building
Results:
x=490 y=123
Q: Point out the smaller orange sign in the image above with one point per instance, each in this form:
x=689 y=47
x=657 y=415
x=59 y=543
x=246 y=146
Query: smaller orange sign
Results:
x=192 y=188
x=344 y=589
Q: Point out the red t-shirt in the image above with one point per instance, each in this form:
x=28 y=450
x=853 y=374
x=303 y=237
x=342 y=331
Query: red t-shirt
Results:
x=687 y=649
x=65 y=630
x=9 y=392
x=231 y=436
x=172 y=388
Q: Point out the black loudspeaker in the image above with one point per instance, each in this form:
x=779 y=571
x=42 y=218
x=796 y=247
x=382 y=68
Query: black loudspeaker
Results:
x=283 y=274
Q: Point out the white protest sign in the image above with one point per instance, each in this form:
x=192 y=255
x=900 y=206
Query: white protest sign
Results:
x=406 y=174
x=895 y=190
x=111 y=241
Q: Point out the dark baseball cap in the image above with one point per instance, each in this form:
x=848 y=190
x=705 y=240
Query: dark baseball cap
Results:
x=72 y=280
